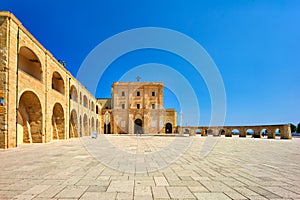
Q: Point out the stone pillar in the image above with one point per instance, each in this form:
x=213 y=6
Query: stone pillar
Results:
x=286 y=133
x=271 y=134
x=243 y=133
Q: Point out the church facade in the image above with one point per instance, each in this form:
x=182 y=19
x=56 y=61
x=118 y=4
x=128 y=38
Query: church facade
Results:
x=137 y=108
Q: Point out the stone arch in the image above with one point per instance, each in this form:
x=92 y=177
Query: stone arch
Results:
x=235 y=131
x=168 y=127
x=97 y=125
x=73 y=93
x=58 y=122
x=138 y=126
x=93 y=124
x=221 y=132
x=29 y=63
x=85 y=125
x=58 y=83
x=107 y=128
x=250 y=131
x=210 y=131
x=92 y=106
x=85 y=101
x=30 y=118
x=97 y=109
x=74 y=124
x=264 y=132
x=90 y=127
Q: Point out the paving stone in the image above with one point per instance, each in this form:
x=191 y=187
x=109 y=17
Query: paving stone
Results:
x=283 y=192
x=98 y=195
x=51 y=191
x=124 y=195
x=121 y=186
x=142 y=191
x=72 y=191
x=235 y=195
x=180 y=193
x=37 y=189
x=160 y=193
x=161 y=181
x=246 y=191
x=211 y=196
x=235 y=169
x=216 y=186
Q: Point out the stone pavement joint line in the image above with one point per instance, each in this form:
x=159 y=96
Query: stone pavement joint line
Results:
x=236 y=168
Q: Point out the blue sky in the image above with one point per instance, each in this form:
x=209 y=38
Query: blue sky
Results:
x=254 y=44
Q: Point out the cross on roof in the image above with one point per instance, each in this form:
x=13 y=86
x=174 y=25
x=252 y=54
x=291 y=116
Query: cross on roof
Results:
x=138 y=78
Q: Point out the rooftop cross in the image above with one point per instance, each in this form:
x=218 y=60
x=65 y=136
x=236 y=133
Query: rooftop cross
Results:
x=138 y=78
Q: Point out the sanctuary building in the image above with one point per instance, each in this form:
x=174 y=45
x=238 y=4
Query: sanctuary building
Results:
x=137 y=108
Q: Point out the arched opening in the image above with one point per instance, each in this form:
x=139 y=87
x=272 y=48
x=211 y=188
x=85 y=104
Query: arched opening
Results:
x=168 y=128
x=85 y=125
x=107 y=128
x=80 y=126
x=30 y=118
x=85 y=101
x=209 y=132
x=29 y=63
x=93 y=124
x=235 y=132
x=90 y=127
x=58 y=122
x=250 y=132
x=97 y=109
x=198 y=131
x=221 y=132
x=97 y=126
x=74 y=126
x=277 y=132
x=73 y=93
x=138 y=126
x=264 y=132
x=58 y=83
x=92 y=106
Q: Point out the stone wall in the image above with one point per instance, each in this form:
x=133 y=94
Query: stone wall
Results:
x=243 y=131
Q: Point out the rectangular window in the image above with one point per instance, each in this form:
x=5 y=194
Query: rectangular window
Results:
x=138 y=106
x=153 y=94
x=123 y=106
x=123 y=94
x=153 y=106
x=138 y=93
x=153 y=124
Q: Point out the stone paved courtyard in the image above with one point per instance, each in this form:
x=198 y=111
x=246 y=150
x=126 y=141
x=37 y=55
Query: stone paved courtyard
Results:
x=148 y=167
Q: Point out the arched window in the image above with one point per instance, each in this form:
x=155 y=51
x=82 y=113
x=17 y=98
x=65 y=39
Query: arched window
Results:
x=29 y=63
x=58 y=83
x=73 y=93
x=85 y=101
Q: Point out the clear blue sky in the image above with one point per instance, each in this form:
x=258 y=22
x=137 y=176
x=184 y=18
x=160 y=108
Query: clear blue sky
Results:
x=255 y=45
